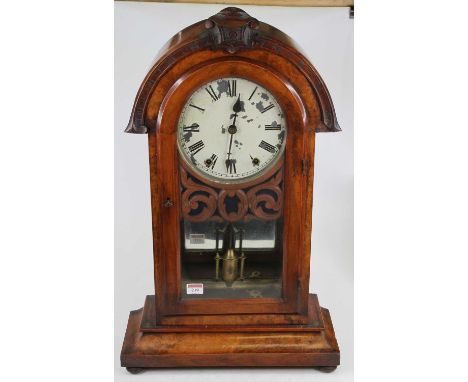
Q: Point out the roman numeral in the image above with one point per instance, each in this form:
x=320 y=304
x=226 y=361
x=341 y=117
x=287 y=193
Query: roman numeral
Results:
x=232 y=88
x=266 y=146
x=196 y=147
x=253 y=92
x=196 y=107
x=213 y=158
x=272 y=127
x=193 y=128
x=212 y=93
x=270 y=106
x=231 y=166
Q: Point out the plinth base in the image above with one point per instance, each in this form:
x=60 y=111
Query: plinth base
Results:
x=318 y=348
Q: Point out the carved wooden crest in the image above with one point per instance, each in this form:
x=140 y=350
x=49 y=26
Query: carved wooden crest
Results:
x=231 y=30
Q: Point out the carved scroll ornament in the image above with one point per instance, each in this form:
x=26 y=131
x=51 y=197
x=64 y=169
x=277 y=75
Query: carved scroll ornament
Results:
x=199 y=202
x=205 y=203
x=266 y=199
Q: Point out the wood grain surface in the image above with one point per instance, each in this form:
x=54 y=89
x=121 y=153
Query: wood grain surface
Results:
x=229 y=348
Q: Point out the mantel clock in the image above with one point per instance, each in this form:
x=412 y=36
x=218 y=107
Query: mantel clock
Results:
x=231 y=108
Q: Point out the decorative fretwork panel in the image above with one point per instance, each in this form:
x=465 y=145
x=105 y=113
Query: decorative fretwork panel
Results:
x=201 y=202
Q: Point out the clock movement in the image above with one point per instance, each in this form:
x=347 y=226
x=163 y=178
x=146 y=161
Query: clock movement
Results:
x=231 y=107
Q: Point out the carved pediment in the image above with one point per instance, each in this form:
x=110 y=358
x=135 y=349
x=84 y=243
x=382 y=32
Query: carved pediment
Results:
x=232 y=29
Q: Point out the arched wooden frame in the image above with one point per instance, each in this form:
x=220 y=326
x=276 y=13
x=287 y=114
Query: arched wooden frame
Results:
x=215 y=191
x=222 y=68
x=167 y=247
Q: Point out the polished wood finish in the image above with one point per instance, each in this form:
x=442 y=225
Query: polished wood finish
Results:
x=288 y=331
x=233 y=347
x=313 y=323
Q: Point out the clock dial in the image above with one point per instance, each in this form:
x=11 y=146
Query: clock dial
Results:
x=231 y=129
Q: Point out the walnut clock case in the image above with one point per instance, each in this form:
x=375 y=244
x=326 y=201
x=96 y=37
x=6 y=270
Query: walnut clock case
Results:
x=231 y=108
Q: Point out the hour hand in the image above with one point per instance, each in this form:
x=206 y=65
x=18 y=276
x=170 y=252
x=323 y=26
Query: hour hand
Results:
x=237 y=106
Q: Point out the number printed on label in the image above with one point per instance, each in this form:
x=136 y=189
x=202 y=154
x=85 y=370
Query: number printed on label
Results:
x=194 y=288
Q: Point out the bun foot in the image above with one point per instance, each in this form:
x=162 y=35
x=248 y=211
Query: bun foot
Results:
x=326 y=369
x=135 y=370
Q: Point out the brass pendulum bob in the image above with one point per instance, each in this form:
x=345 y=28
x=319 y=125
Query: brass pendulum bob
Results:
x=230 y=259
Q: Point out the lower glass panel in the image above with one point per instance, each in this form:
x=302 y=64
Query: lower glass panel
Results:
x=246 y=262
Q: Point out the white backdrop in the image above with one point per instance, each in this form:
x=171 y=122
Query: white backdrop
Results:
x=326 y=35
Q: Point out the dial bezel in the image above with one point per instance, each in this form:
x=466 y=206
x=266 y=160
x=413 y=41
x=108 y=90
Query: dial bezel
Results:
x=264 y=173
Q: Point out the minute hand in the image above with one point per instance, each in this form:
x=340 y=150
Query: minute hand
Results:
x=232 y=129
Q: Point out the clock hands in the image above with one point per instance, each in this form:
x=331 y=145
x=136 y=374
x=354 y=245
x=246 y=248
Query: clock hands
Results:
x=230 y=145
x=232 y=129
x=236 y=109
x=237 y=106
x=230 y=163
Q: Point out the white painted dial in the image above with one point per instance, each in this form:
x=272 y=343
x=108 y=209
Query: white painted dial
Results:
x=231 y=129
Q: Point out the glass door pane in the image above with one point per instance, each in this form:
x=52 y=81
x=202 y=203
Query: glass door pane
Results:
x=246 y=263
